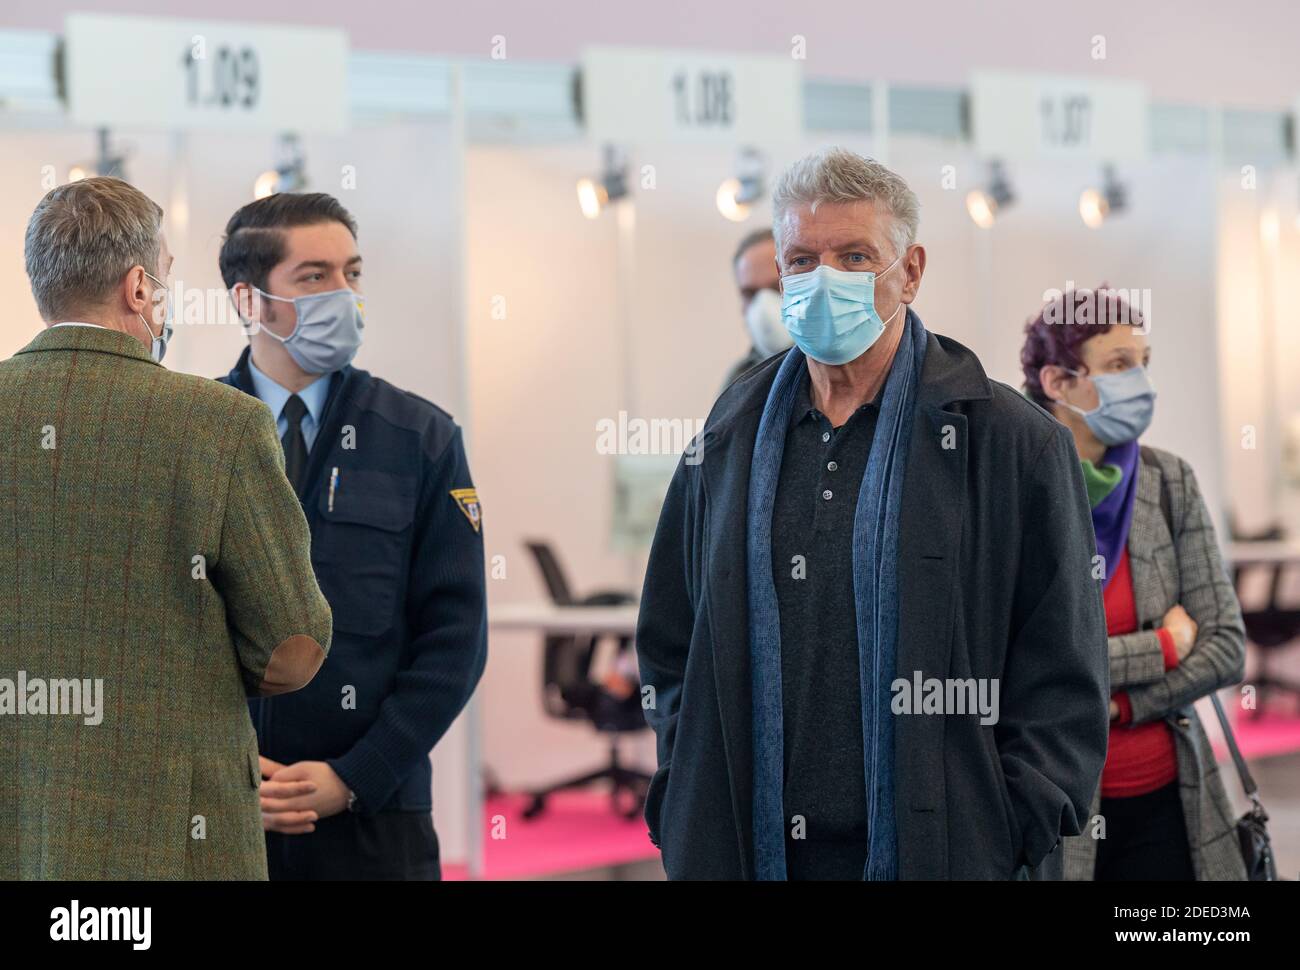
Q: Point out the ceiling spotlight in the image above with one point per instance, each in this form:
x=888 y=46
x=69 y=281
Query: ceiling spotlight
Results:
x=594 y=194
x=592 y=197
x=1096 y=204
x=107 y=162
x=1270 y=226
x=737 y=194
x=289 y=173
x=984 y=204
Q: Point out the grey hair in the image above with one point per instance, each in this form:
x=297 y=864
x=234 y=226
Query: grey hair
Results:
x=838 y=175
x=82 y=239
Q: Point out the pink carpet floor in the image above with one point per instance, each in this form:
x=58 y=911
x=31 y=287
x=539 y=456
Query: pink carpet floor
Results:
x=1272 y=734
x=577 y=831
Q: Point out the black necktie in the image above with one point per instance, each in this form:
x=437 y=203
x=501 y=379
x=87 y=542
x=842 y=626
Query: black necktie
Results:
x=295 y=445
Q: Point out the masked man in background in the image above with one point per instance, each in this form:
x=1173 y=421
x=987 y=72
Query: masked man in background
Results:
x=396 y=545
x=759 y=283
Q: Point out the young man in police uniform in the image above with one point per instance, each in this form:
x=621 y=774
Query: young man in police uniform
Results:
x=397 y=547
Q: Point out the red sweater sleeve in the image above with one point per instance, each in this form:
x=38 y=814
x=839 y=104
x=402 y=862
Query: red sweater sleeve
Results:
x=1125 y=708
x=1167 y=648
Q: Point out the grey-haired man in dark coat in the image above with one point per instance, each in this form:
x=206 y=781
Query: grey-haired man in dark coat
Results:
x=871 y=636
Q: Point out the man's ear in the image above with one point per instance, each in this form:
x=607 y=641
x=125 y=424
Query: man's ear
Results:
x=914 y=267
x=135 y=290
x=246 y=304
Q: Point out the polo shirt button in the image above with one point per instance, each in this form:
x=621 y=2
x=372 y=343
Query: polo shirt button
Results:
x=832 y=466
x=827 y=494
x=826 y=436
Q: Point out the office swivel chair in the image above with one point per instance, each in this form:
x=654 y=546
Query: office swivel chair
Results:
x=570 y=693
x=1272 y=629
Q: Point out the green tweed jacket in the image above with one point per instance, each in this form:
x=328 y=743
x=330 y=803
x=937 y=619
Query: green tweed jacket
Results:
x=154 y=571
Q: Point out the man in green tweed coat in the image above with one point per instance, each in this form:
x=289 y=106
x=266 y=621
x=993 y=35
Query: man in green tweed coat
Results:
x=154 y=572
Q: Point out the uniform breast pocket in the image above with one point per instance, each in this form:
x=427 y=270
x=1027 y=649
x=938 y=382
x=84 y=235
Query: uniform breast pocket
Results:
x=361 y=547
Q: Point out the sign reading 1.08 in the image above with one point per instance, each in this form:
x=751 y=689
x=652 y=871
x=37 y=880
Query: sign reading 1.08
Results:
x=704 y=98
x=1028 y=116
x=204 y=74
x=638 y=96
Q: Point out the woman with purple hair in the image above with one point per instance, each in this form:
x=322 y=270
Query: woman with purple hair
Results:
x=1174 y=624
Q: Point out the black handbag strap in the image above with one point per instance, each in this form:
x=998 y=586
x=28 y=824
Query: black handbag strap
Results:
x=1243 y=772
x=1247 y=782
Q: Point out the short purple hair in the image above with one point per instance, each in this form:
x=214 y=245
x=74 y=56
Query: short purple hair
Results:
x=1064 y=324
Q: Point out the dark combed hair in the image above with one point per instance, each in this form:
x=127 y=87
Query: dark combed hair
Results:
x=254 y=240
x=753 y=239
x=1065 y=324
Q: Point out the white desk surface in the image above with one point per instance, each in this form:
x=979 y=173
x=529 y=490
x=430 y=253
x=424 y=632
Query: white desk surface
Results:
x=1252 y=553
x=548 y=618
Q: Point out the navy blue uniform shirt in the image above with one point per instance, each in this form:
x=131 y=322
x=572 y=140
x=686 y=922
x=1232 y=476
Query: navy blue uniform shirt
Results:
x=397 y=546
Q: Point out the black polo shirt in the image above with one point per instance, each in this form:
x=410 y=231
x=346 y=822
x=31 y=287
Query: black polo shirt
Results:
x=812 y=565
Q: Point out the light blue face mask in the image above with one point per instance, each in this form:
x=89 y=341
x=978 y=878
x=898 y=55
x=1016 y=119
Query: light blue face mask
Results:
x=328 y=334
x=158 y=346
x=831 y=314
x=1125 y=403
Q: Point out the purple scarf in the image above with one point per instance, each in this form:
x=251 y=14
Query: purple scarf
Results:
x=1113 y=515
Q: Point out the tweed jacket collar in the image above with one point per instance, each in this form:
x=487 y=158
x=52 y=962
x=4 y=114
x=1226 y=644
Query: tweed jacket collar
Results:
x=99 y=340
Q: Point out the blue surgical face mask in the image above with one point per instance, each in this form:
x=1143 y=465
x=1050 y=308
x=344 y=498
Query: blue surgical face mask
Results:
x=328 y=334
x=1125 y=402
x=763 y=321
x=832 y=314
x=158 y=348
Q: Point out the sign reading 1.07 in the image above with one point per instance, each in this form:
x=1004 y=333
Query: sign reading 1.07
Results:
x=643 y=96
x=1027 y=116
x=204 y=74
x=1064 y=120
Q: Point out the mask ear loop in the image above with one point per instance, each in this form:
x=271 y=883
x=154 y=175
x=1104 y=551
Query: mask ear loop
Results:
x=163 y=329
x=246 y=323
x=148 y=329
x=263 y=327
x=890 y=266
x=1076 y=409
x=882 y=273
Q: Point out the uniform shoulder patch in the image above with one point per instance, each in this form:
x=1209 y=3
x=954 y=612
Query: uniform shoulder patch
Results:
x=466 y=500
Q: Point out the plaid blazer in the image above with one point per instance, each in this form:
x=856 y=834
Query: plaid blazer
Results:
x=1189 y=571
x=150 y=543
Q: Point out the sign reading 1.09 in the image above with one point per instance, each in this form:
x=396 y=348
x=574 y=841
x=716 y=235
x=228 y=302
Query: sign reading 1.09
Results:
x=1027 y=116
x=226 y=79
x=643 y=96
x=204 y=74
